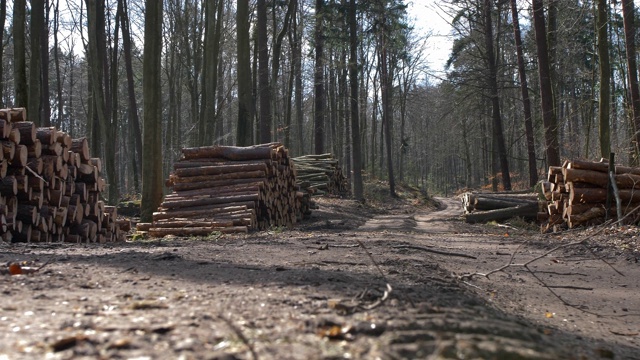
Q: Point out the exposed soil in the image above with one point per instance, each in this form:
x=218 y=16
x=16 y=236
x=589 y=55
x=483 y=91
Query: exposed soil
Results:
x=313 y=292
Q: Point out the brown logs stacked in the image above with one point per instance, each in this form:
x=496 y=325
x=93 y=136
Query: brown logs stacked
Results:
x=577 y=192
x=323 y=174
x=228 y=189
x=484 y=207
x=50 y=186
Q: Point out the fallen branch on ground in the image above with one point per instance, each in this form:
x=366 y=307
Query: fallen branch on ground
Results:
x=550 y=288
x=440 y=252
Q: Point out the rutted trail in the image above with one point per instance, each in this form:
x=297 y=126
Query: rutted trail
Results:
x=573 y=274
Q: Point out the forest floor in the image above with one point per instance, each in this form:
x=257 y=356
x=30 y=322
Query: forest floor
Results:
x=382 y=280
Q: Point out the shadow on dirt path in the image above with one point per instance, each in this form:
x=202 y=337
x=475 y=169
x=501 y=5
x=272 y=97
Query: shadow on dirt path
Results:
x=305 y=293
x=599 y=314
x=429 y=222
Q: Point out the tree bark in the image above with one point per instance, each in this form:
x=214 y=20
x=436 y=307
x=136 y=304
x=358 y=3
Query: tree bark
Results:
x=356 y=142
x=3 y=17
x=386 y=81
x=297 y=61
x=546 y=91
x=19 y=53
x=628 y=12
x=319 y=94
x=498 y=132
x=56 y=59
x=45 y=104
x=134 y=120
x=244 y=130
x=210 y=72
x=35 y=63
x=264 y=88
x=152 y=147
x=526 y=102
x=605 y=74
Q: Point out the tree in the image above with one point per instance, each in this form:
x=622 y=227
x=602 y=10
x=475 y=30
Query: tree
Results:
x=19 y=54
x=296 y=49
x=605 y=74
x=152 y=125
x=266 y=118
x=319 y=80
x=101 y=94
x=213 y=23
x=58 y=70
x=628 y=12
x=356 y=148
x=3 y=17
x=390 y=46
x=244 y=129
x=498 y=133
x=526 y=102
x=546 y=93
x=134 y=120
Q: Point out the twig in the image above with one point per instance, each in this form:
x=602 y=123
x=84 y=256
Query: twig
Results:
x=569 y=287
x=239 y=333
x=386 y=294
x=36 y=175
x=380 y=301
x=440 y=252
x=526 y=264
x=373 y=260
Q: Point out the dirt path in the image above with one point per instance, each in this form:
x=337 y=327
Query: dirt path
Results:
x=313 y=293
x=599 y=306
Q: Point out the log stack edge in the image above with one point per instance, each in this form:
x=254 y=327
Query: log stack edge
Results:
x=577 y=192
x=230 y=189
x=50 y=186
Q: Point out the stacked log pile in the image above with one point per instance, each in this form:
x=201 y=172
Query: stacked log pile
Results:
x=50 y=186
x=228 y=189
x=577 y=192
x=484 y=207
x=321 y=174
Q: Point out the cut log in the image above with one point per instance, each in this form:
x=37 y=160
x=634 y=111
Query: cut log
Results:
x=47 y=135
x=202 y=231
x=247 y=177
x=81 y=146
x=231 y=152
x=526 y=211
x=27 y=131
x=14 y=114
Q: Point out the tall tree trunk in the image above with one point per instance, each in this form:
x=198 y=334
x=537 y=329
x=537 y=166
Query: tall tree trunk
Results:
x=3 y=18
x=498 y=132
x=319 y=80
x=45 y=105
x=356 y=142
x=71 y=93
x=56 y=59
x=277 y=45
x=526 y=102
x=152 y=146
x=99 y=68
x=134 y=120
x=386 y=82
x=628 y=13
x=213 y=22
x=605 y=74
x=244 y=130
x=35 y=63
x=112 y=126
x=263 y=74
x=297 y=61
x=19 y=54
x=546 y=92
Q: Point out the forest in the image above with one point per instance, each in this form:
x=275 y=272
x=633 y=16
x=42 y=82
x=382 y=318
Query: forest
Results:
x=527 y=84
